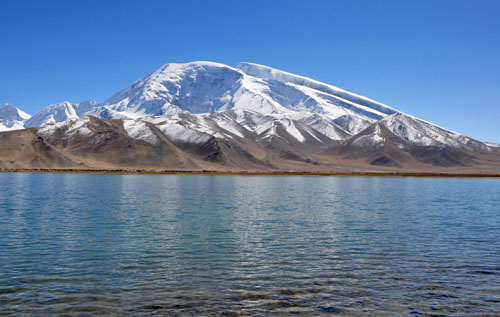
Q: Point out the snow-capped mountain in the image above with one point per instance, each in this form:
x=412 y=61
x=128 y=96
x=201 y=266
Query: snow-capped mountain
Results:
x=422 y=133
x=242 y=140
x=250 y=115
x=60 y=112
x=415 y=132
x=11 y=118
x=203 y=87
x=402 y=138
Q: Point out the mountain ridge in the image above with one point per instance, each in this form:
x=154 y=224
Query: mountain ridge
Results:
x=216 y=114
x=204 y=142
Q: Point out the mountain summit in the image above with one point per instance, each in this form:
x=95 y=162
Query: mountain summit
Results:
x=60 y=112
x=11 y=118
x=203 y=87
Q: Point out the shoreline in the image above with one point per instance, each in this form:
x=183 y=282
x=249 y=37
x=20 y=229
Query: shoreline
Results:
x=255 y=173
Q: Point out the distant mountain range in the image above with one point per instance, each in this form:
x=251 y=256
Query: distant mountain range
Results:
x=205 y=115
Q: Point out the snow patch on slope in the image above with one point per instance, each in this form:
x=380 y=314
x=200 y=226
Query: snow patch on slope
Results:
x=372 y=139
x=179 y=131
x=70 y=127
x=419 y=132
x=491 y=144
x=139 y=130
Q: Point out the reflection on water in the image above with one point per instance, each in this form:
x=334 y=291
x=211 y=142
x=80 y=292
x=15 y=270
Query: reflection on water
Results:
x=185 y=244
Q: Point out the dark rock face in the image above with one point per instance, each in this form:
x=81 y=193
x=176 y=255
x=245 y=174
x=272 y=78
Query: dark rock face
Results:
x=385 y=161
x=444 y=157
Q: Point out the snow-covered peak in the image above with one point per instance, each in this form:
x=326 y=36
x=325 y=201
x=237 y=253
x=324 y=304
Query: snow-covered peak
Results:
x=11 y=118
x=54 y=113
x=177 y=71
x=196 y=87
x=423 y=133
x=69 y=127
x=176 y=67
x=280 y=98
x=61 y=112
x=9 y=112
x=205 y=87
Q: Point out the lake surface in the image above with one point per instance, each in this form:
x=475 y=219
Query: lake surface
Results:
x=203 y=244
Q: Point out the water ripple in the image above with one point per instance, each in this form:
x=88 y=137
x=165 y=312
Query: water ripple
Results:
x=143 y=245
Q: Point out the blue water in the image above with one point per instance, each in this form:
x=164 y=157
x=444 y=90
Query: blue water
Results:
x=188 y=244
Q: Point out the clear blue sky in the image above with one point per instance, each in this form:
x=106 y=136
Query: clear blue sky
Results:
x=437 y=60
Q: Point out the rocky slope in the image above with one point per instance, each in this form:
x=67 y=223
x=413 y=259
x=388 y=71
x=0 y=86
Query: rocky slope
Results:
x=235 y=140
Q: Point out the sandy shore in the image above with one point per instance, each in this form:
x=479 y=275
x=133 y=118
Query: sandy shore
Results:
x=263 y=173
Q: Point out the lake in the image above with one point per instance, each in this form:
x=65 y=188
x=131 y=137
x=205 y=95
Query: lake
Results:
x=206 y=244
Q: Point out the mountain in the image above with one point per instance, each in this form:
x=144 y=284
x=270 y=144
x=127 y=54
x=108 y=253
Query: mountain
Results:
x=60 y=112
x=203 y=87
x=400 y=139
x=205 y=115
x=11 y=118
x=90 y=142
x=238 y=140
x=410 y=130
